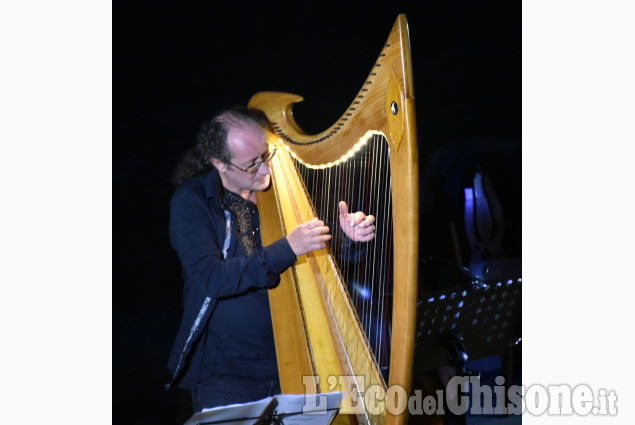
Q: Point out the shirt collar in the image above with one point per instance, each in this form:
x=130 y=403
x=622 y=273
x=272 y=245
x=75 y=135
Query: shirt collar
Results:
x=213 y=185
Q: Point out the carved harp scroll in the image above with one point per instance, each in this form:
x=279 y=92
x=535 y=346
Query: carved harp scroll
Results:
x=320 y=334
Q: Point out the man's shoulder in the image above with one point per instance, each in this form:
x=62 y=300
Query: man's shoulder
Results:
x=195 y=198
x=204 y=186
x=193 y=184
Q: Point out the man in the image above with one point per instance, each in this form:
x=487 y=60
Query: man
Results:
x=224 y=350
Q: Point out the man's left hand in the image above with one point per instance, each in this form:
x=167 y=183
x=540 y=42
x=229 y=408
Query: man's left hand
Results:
x=357 y=226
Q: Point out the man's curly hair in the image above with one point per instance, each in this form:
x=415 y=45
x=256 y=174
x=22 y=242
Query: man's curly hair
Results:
x=211 y=141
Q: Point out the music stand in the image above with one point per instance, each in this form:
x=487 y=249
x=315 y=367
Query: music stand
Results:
x=463 y=323
x=281 y=409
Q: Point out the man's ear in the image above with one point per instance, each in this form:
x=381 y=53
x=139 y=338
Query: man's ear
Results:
x=220 y=165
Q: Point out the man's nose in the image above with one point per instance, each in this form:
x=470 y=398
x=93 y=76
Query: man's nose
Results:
x=264 y=168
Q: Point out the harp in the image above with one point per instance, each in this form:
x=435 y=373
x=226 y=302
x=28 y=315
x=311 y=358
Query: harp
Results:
x=349 y=325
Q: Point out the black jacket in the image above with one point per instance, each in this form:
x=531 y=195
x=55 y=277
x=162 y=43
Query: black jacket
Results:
x=205 y=236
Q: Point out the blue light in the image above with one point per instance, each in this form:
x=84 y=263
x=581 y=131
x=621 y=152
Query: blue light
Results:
x=362 y=291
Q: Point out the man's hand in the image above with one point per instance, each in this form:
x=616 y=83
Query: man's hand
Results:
x=309 y=236
x=357 y=226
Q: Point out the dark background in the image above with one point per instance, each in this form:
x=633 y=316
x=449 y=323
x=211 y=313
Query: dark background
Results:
x=175 y=64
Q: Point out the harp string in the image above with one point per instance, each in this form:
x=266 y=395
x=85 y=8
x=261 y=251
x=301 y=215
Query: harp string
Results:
x=381 y=299
x=363 y=182
x=368 y=278
x=387 y=273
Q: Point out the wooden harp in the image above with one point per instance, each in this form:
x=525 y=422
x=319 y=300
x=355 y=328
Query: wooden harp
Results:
x=322 y=338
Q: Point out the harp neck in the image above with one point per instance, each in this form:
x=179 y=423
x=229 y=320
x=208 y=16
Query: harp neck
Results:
x=384 y=104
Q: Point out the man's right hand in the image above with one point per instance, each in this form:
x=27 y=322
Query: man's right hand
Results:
x=309 y=236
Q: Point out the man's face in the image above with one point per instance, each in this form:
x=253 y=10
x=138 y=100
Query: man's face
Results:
x=247 y=146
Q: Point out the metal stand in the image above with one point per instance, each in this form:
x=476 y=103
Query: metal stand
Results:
x=466 y=323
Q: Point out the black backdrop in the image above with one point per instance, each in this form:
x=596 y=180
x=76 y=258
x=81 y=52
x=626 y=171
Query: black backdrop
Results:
x=175 y=63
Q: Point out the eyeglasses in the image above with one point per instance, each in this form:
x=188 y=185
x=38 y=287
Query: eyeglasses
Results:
x=253 y=169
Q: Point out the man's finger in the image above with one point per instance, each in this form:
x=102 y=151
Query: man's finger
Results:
x=319 y=230
x=366 y=238
x=317 y=222
x=367 y=230
x=343 y=208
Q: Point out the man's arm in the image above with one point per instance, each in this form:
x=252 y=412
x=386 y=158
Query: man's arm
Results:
x=195 y=238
